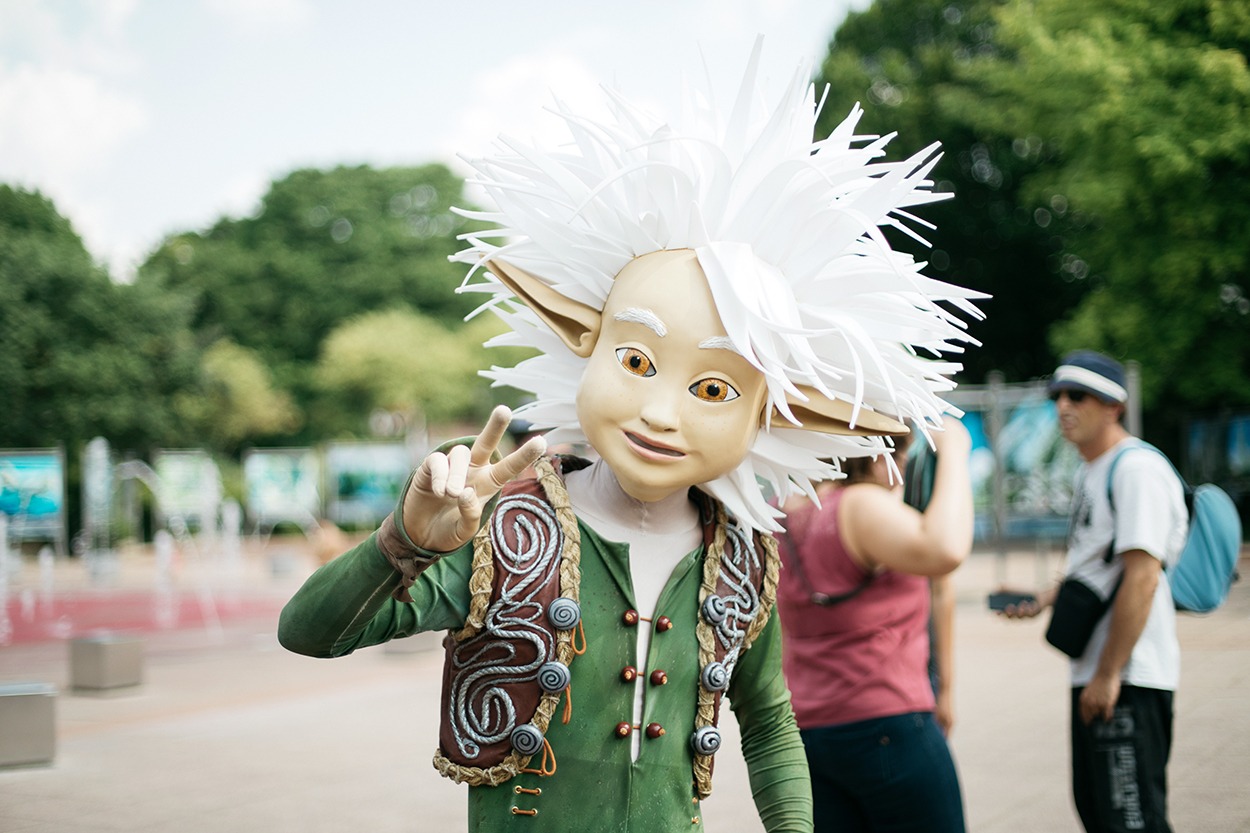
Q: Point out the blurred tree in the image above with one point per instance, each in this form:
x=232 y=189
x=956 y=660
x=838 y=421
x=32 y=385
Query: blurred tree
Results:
x=324 y=247
x=408 y=365
x=81 y=356
x=902 y=61
x=397 y=361
x=237 y=402
x=1145 y=103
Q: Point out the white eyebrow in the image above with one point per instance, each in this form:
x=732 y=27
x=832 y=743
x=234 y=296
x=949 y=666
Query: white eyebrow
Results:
x=718 y=343
x=645 y=317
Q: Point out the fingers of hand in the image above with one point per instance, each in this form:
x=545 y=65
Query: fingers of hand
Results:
x=518 y=461
x=488 y=440
x=470 y=513
x=431 y=477
x=458 y=461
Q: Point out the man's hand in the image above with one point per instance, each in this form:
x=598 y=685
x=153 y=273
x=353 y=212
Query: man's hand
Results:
x=1098 y=699
x=1029 y=609
x=443 y=506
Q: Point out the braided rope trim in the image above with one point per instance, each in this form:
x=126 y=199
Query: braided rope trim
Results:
x=481 y=583
x=708 y=704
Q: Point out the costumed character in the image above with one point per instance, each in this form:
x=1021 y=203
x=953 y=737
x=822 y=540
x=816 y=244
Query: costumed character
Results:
x=715 y=306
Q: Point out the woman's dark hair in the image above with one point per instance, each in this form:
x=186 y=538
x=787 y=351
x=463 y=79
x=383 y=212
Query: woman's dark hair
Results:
x=859 y=469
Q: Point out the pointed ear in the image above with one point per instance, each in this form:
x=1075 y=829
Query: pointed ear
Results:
x=576 y=324
x=833 y=416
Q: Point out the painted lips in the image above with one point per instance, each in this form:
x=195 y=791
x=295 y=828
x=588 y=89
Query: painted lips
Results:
x=654 y=448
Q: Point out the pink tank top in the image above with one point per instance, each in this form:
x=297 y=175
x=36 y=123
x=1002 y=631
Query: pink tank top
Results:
x=863 y=658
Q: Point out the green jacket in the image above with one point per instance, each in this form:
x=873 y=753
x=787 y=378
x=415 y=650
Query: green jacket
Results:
x=347 y=604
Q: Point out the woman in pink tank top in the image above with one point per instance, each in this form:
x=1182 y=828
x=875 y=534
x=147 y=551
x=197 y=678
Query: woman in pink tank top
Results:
x=854 y=606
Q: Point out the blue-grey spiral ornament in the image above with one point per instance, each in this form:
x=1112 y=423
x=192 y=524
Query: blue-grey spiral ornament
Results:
x=553 y=676
x=527 y=740
x=715 y=677
x=714 y=610
x=705 y=741
x=564 y=613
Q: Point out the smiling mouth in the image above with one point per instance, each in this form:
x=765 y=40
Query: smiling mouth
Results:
x=652 y=447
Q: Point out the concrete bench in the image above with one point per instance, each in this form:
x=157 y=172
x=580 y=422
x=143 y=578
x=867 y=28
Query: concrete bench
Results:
x=105 y=661
x=27 y=724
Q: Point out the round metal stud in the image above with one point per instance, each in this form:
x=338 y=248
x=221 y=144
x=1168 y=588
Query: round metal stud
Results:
x=715 y=676
x=526 y=739
x=564 y=614
x=714 y=610
x=553 y=676
x=705 y=741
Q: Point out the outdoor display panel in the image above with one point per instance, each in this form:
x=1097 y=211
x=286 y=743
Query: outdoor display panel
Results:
x=188 y=486
x=1022 y=470
x=282 y=484
x=364 y=480
x=32 y=493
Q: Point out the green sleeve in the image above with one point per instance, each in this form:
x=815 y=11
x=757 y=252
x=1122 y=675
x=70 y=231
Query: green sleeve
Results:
x=347 y=603
x=776 y=762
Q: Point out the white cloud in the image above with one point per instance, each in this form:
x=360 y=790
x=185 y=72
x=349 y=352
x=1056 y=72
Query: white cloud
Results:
x=260 y=17
x=59 y=121
x=510 y=98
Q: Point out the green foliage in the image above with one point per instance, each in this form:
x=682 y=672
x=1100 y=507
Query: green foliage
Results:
x=238 y=401
x=903 y=61
x=325 y=248
x=81 y=356
x=402 y=362
x=1145 y=103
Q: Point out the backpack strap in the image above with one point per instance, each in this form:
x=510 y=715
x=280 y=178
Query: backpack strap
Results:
x=1186 y=488
x=786 y=542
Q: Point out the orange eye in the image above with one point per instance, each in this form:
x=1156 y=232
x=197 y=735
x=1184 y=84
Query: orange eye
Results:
x=714 y=390
x=635 y=361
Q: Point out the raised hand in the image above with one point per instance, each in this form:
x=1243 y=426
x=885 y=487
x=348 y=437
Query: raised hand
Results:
x=443 y=506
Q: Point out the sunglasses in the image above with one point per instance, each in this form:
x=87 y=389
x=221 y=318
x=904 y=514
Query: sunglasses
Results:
x=1076 y=397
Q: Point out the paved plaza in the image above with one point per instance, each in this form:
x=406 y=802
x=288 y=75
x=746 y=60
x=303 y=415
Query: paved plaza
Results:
x=228 y=732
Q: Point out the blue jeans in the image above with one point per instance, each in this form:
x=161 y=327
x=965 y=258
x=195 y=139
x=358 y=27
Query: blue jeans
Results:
x=889 y=774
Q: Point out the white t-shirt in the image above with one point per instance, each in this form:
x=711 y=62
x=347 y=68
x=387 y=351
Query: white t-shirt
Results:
x=1149 y=515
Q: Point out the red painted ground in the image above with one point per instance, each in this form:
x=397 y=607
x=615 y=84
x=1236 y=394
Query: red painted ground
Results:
x=34 y=618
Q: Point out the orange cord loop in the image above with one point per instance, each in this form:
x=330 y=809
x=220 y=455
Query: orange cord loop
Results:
x=548 y=755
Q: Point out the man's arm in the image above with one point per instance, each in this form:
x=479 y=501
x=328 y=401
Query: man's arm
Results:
x=1129 y=613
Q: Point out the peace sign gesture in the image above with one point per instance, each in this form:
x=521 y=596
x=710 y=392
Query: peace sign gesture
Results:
x=443 y=505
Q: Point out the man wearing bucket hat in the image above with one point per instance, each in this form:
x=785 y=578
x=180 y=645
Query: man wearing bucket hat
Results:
x=1113 y=613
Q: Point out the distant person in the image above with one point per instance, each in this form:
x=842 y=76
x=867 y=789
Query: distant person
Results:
x=942 y=651
x=917 y=490
x=854 y=604
x=1125 y=674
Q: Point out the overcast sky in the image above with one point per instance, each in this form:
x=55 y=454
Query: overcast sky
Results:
x=144 y=117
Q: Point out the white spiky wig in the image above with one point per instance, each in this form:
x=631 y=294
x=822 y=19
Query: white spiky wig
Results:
x=789 y=234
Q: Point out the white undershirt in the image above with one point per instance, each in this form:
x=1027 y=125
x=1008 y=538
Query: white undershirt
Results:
x=659 y=535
